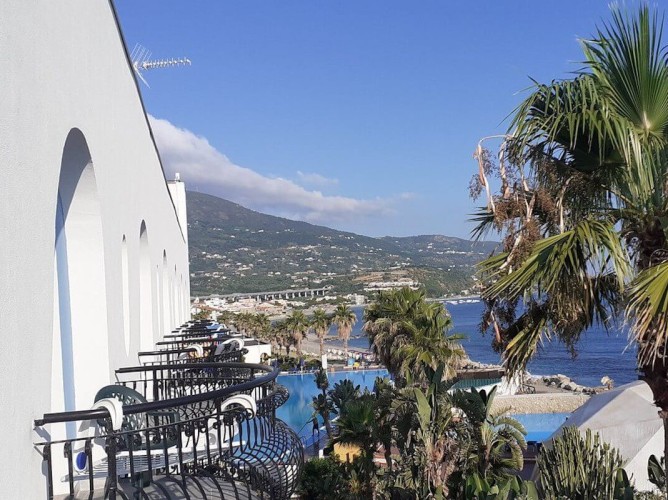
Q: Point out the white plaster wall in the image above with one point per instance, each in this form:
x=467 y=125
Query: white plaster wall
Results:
x=64 y=67
x=255 y=352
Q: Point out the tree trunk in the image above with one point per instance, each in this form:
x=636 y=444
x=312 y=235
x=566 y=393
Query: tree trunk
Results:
x=345 y=347
x=664 y=416
x=322 y=347
x=388 y=455
x=328 y=424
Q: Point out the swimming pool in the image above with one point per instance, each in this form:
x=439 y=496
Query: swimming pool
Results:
x=297 y=411
x=540 y=426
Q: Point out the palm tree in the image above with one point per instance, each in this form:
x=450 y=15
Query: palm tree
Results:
x=320 y=322
x=583 y=204
x=322 y=403
x=344 y=319
x=492 y=433
x=225 y=318
x=279 y=335
x=408 y=334
x=430 y=346
x=321 y=380
x=357 y=427
x=384 y=393
x=244 y=322
x=323 y=406
x=261 y=326
x=298 y=325
x=428 y=449
x=343 y=393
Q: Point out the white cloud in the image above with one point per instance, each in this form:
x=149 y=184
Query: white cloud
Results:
x=206 y=169
x=316 y=180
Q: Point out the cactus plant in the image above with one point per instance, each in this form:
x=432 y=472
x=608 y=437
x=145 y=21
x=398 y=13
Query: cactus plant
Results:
x=582 y=468
x=512 y=488
x=656 y=472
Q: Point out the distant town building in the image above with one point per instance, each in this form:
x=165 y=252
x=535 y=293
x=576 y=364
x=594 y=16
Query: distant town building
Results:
x=376 y=286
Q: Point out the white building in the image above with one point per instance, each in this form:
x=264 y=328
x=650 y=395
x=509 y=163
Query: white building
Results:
x=94 y=255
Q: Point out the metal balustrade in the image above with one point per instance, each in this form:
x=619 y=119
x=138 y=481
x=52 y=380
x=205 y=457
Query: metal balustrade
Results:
x=193 y=430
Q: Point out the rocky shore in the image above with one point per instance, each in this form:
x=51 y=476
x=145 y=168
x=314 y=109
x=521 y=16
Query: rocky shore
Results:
x=565 y=383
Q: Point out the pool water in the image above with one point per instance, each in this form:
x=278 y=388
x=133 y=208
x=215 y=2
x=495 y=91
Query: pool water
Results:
x=540 y=426
x=297 y=411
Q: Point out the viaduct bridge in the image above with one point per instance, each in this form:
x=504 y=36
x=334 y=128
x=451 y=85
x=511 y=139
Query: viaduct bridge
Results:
x=280 y=294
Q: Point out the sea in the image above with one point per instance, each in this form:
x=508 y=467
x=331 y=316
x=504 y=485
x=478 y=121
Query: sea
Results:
x=599 y=353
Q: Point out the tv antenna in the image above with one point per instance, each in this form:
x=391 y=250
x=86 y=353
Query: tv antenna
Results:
x=141 y=61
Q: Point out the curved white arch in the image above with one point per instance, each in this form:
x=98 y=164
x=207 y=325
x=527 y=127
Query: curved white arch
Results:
x=166 y=306
x=125 y=272
x=80 y=331
x=145 y=291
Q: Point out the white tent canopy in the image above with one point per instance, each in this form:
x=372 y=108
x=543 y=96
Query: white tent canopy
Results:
x=627 y=419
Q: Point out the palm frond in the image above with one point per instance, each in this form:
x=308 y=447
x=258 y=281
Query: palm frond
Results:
x=589 y=247
x=629 y=58
x=484 y=219
x=647 y=312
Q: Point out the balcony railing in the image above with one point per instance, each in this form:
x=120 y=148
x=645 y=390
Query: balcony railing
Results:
x=180 y=429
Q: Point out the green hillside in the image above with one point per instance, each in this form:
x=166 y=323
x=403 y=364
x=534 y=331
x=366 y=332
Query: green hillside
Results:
x=234 y=249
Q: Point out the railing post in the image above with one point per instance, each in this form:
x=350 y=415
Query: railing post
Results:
x=49 y=471
x=67 y=451
x=156 y=395
x=112 y=478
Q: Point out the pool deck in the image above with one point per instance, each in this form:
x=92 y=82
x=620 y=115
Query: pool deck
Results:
x=555 y=402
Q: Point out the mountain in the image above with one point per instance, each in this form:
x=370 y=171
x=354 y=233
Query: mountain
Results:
x=234 y=249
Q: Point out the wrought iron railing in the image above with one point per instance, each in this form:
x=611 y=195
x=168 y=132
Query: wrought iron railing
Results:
x=204 y=430
x=189 y=354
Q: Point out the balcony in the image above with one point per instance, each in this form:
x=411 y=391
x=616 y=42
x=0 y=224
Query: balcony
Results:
x=192 y=421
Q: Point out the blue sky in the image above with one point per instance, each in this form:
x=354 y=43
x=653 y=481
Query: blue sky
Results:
x=359 y=115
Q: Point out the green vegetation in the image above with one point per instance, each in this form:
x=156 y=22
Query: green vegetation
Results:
x=509 y=489
x=320 y=323
x=233 y=249
x=656 y=472
x=344 y=319
x=203 y=314
x=582 y=468
x=497 y=440
x=579 y=194
x=297 y=324
x=408 y=334
x=438 y=443
x=583 y=204
x=430 y=452
x=325 y=479
x=432 y=440
x=322 y=403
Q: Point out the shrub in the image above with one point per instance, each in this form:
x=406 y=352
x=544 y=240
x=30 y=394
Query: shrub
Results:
x=324 y=479
x=582 y=468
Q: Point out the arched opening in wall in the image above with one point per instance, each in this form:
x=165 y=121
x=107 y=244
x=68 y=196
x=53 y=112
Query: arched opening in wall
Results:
x=173 y=294
x=80 y=333
x=145 y=292
x=185 y=300
x=157 y=297
x=166 y=306
x=126 y=294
